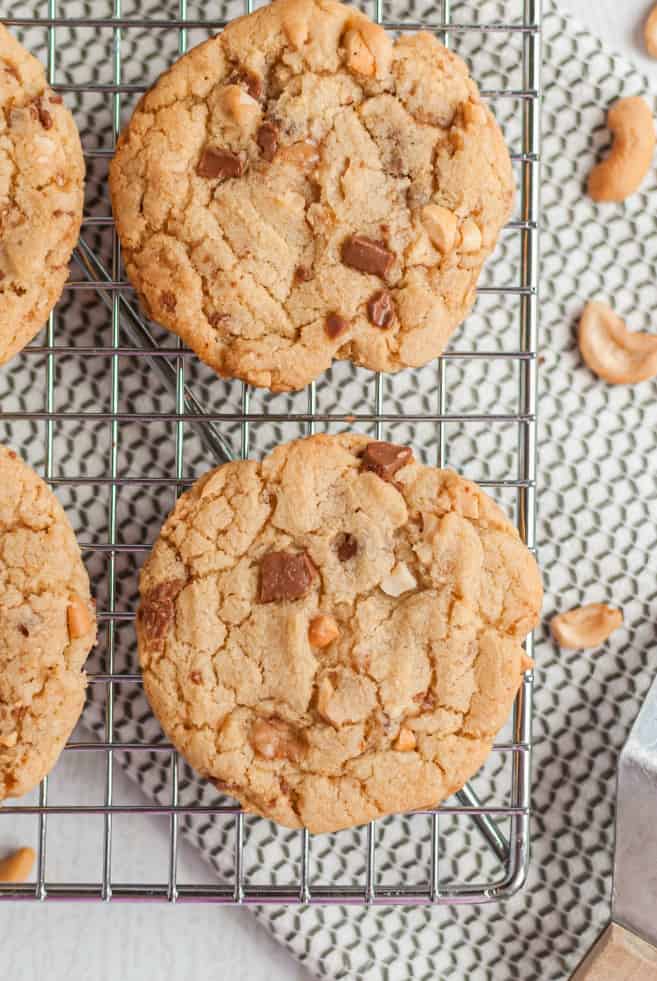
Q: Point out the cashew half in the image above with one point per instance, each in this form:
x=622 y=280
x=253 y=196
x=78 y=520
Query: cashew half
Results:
x=650 y=33
x=621 y=174
x=17 y=866
x=586 y=626
x=619 y=355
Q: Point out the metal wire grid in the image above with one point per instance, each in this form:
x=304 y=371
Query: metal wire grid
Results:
x=512 y=849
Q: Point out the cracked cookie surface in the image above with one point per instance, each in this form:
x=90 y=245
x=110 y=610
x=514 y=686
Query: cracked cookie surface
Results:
x=47 y=627
x=302 y=188
x=334 y=634
x=41 y=195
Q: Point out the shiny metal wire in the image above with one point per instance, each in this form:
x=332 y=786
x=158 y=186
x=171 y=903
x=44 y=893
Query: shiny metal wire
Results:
x=511 y=848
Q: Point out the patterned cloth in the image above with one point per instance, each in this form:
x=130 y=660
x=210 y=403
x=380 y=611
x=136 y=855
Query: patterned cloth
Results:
x=597 y=528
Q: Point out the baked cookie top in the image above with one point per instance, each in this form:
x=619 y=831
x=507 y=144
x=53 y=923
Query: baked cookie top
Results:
x=302 y=188
x=47 y=627
x=334 y=634
x=41 y=195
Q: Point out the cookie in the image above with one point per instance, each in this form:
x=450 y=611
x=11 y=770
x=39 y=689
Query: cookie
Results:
x=41 y=195
x=303 y=188
x=47 y=627
x=334 y=634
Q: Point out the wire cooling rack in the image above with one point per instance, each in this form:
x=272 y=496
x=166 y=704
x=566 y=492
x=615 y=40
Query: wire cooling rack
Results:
x=393 y=861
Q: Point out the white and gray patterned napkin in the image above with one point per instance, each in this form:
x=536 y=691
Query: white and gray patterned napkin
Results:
x=596 y=509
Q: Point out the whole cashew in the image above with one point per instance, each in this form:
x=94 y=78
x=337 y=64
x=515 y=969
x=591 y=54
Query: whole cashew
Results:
x=650 y=33
x=585 y=626
x=621 y=174
x=619 y=355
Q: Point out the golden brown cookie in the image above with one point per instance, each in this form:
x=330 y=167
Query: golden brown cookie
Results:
x=47 y=627
x=334 y=634
x=41 y=195
x=303 y=188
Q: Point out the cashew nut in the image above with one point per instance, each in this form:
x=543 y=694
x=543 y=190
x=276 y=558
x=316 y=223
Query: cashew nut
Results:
x=620 y=356
x=470 y=236
x=441 y=224
x=586 y=626
x=359 y=56
x=405 y=741
x=323 y=630
x=78 y=617
x=621 y=174
x=368 y=48
x=650 y=33
x=17 y=866
x=398 y=581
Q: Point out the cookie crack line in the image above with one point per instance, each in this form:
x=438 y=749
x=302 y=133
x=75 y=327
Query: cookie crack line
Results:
x=326 y=731
x=305 y=91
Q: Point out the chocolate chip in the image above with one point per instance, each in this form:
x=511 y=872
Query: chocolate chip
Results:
x=385 y=459
x=267 y=139
x=336 y=325
x=302 y=274
x=218 y=163
x=23 y=629
x=248 y=79
x=346 y=547
x=218 y=319
x=44 y=116
x=157 y=612
x=168 y=301
x=366 y=255
x=196 y=677
x=285 y=576
x=381 y=309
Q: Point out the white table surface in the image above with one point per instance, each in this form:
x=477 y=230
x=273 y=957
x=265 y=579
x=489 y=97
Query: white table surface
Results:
x=200 y=943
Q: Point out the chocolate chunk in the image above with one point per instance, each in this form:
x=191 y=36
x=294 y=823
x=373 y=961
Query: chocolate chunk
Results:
x=346 y=547
x=218 y=319
x=218 y=163
x=44 y=116
x=168 y=301
x=285 y=576
x=157 y=612
x=381 y=309
x=302 y=274
x=366 y=255
x=336 y=325
x=385 y=459
x=248 y=79
x=267 y=138
x=425 y=700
